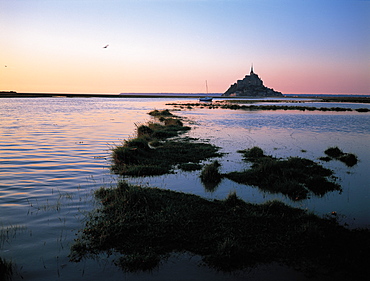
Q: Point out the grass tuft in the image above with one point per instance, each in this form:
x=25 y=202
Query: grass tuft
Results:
x=190 y=166
x=144 y=131
x=210 y=172
x=210 y=176
x=347 y=158
x=160 y=113
x=252 y=153
x=6 y=270
x=334 y=152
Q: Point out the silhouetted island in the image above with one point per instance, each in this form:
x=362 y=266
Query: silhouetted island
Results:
x=252 y=86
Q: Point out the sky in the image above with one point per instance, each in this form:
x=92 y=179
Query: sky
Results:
x=174 y=46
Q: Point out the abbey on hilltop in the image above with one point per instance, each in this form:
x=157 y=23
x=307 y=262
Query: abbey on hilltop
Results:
x=251 y=86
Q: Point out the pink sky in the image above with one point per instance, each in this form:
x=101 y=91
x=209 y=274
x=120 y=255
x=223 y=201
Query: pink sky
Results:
x=175 y=46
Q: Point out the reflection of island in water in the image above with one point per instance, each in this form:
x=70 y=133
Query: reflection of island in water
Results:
x=251 y=85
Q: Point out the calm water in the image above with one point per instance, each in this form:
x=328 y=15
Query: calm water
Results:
x=55 y=151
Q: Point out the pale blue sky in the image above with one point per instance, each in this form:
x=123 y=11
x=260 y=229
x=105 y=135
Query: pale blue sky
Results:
x=174 y=46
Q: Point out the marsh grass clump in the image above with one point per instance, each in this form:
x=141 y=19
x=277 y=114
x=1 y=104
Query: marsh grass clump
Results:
x=347 y=158
x=137 y=143
x=363 y=109
x=233 y=200
x=131 y=152
x=211 y=173
x=190 y=166
x=325 y=158
x=144 y=131
x=6 y=269
x=170 y=130
x=334 y=152
x=253 y=153
x=173 y=122
x=145 y=225
x=295 y=177
x=160 y=113
x=137 y=161
x=211 y=176
x=155 y=152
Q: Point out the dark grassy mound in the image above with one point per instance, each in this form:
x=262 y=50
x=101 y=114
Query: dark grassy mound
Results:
x=161 y=113
x=210 y=172
x=334 y=152
x=137 y=159
x=145 y=225
x=211 y=176
x=294 y=177
x=253 y=153
x=362 y=110
x=347 y=158
x=190 y=166
x=152 y=153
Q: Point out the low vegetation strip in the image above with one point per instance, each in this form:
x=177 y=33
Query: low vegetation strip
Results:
x=155 y=151
x=231 y=105
x=145 y=225
x=295 y=177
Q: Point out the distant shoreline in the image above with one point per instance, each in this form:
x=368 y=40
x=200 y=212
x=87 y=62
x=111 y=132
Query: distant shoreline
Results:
x=322 y=97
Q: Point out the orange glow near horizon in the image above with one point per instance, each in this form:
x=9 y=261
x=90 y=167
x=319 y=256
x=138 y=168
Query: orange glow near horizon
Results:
x=174 y=47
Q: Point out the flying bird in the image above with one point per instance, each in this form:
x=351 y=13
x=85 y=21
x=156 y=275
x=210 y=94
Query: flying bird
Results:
x=106 y=46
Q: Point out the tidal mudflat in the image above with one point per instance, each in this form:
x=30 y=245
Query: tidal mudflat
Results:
x=54 y=158
x=146 y=225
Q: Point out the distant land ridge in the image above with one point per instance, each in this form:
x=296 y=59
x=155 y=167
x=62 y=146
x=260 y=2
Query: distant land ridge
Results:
x=251 y=86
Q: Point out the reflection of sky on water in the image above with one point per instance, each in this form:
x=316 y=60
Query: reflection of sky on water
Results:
x=55 y=151
x=284 y=134
x=307 y=121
